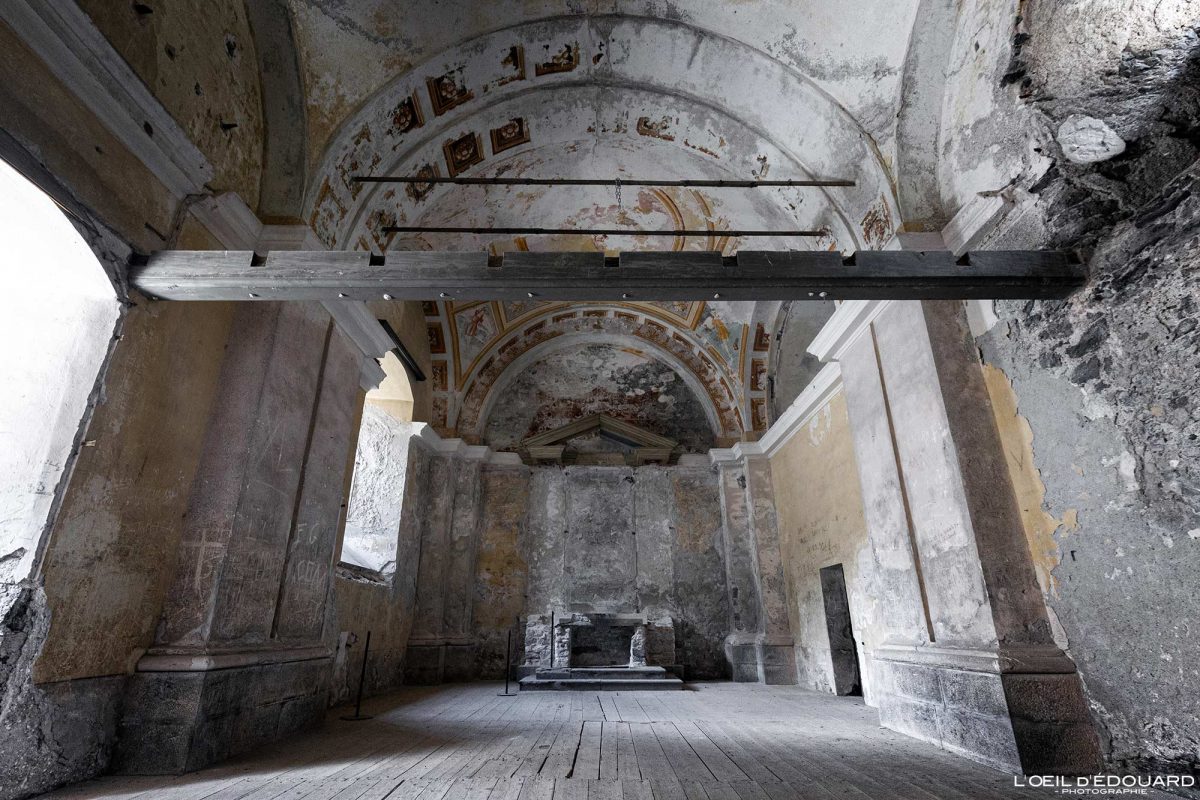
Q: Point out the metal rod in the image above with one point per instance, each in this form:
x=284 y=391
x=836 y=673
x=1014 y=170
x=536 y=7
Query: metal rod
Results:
x=507 y=660
x=362 y=679
x=362 y=676
x=688 y=183
x=596 y=231
x=406 y=358
x=553 y=640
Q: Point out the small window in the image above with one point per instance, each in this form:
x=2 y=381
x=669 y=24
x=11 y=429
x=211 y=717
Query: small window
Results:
x=380 y=470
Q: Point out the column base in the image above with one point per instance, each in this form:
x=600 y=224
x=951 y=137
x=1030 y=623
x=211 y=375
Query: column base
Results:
x=181 y=720
x=1020 y=711
x=753 y=660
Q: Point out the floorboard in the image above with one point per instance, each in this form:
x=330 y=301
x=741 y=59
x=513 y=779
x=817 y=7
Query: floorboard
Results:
x=713 y=741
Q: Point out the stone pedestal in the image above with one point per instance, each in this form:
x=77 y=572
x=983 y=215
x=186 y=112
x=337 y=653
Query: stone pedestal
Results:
x=643 y=642
x=183 y=720
x=1021 y=712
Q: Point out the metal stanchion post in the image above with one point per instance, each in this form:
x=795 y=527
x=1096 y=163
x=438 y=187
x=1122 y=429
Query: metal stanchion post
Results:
x=508 y=666
x=362 y=679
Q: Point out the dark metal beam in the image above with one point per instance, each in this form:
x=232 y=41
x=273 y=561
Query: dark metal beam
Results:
x=610 y=182
x=762 y=275
x=519 y=231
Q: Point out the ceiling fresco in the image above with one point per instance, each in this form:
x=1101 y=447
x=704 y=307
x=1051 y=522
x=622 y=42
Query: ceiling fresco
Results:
x=625 y=383
x=618 y=111
x=350 y=50
x=615 y=97
x=720 y=350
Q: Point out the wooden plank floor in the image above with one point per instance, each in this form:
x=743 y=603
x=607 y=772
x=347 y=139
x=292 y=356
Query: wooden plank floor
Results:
x=714 y=741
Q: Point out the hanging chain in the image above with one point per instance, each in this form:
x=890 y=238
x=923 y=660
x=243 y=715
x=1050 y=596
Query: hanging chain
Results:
x=618 y=187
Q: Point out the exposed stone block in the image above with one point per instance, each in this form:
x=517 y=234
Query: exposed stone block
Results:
x=181 y=721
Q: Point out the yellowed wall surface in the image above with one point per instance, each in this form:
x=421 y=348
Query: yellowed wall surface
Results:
x=1017 y=440
x=198 y=58
x=78 y=149
x=114 y=543
x=819 y=504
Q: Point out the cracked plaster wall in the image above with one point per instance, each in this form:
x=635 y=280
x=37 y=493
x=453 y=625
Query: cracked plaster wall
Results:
x=625 y=540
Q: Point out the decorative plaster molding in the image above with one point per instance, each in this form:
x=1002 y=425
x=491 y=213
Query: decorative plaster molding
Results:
x=816 y=396
x=371 y=374
x=229 y=220
x=288 y=237
x=739 y=452
x=475 y=452
x=693 y=460
x=1022 y=659
x=448 y=447
x=974 y=221
x=79 y=55
x=822 y=388
x=361 y=327
x=981 y=316
x=205 y=662
x=851 y=319
x=505 y=460
x=922 y=242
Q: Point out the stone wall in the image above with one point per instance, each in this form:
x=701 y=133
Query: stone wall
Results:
x=821 y=524
x=501 y=568
x=969 y=661
x=500 y=535
x=633 y=540
x=441 y=645
x=458 y=582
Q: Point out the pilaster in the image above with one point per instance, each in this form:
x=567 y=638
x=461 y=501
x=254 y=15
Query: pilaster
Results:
x=969 y=662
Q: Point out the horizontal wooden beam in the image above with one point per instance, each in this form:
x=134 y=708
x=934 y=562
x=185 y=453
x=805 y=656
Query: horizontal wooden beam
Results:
x=751 y=275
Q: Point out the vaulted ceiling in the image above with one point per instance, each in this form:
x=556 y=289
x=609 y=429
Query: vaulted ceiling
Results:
x=721 y=89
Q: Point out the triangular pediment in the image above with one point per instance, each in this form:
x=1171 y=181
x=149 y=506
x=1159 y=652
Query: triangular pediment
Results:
x=555 y=447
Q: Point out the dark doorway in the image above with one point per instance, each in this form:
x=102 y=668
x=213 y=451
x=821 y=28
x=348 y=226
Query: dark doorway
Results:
x=846 y=679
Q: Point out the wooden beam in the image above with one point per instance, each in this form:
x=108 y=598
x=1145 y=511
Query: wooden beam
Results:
x=751 y=275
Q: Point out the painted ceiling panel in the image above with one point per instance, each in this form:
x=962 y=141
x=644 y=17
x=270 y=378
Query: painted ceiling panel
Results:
x=624 y=91
x=350 y=50
x=625 y=383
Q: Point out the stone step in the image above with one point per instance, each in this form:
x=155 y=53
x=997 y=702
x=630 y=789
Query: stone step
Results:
x=534 y=683
x=600 y=672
